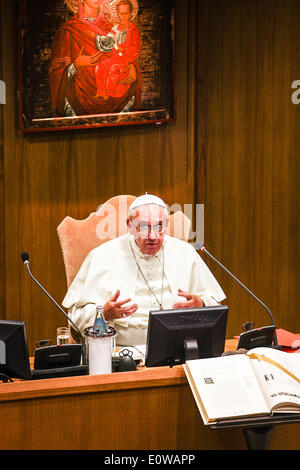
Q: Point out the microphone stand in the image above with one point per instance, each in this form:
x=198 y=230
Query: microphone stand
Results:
x=84 y=355
x=203 y=249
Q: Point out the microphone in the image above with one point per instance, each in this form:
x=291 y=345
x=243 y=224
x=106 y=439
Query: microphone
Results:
x=204 y=250
x=25 y=259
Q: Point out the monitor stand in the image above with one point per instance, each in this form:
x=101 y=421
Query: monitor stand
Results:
x=191 y=349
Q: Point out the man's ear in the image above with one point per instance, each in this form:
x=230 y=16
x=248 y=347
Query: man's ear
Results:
x=129 y=222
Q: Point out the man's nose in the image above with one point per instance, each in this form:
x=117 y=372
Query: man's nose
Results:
x=152 y=233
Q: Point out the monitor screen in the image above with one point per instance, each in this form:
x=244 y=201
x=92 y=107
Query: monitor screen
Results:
x=14 y=358
x=175 y=336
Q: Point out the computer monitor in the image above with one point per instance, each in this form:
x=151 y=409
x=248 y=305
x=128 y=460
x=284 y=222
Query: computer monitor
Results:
x=177 y=335
x=14 y=358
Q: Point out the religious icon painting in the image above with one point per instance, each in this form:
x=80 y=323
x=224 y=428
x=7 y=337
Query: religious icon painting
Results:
x=95 y=63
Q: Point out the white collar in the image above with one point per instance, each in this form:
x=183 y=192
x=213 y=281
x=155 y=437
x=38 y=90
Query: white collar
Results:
x=138 y=252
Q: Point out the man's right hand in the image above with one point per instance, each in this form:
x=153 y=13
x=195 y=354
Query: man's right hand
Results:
x=114 y=309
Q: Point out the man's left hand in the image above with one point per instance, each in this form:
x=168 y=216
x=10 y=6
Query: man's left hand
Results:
x=192 y=300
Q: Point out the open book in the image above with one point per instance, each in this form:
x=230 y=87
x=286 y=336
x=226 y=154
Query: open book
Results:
x=261 y=382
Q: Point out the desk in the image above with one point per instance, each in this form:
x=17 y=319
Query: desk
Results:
x=148 y=409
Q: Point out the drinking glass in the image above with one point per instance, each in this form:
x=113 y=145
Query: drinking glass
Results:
x=63 y=335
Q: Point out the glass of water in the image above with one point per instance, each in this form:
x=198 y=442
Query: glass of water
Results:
x=63 y=335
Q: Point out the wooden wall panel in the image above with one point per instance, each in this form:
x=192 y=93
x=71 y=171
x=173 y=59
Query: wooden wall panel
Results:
x=252 y=158
x=51 y=175
x=2 y=219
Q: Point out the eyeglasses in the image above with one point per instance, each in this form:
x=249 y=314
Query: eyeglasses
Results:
x=146 y=229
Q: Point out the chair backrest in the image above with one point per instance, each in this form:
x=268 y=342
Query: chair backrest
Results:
x=179 y=226
x=78 y=237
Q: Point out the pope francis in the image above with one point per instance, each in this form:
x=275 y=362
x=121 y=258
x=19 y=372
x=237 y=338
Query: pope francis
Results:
x=138 y=272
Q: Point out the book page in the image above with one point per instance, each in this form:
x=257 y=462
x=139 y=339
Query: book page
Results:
x=227 y=387
x=279 y=378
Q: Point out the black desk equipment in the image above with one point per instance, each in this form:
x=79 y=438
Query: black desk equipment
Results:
x=50 y=362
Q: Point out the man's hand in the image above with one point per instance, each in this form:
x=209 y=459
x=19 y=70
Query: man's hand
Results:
x=114 y=309
x=192 y=300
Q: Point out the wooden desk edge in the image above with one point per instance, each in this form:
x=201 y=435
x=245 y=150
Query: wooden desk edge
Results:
x=143 y=378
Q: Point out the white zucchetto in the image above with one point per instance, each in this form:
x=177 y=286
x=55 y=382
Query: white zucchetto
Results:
x=147 y=199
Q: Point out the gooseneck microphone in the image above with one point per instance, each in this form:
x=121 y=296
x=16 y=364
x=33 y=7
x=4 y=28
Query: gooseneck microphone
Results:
x=204 y=250
x=25 y=259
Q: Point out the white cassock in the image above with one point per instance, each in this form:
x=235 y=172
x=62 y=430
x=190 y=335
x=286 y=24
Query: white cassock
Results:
x=113 y=266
